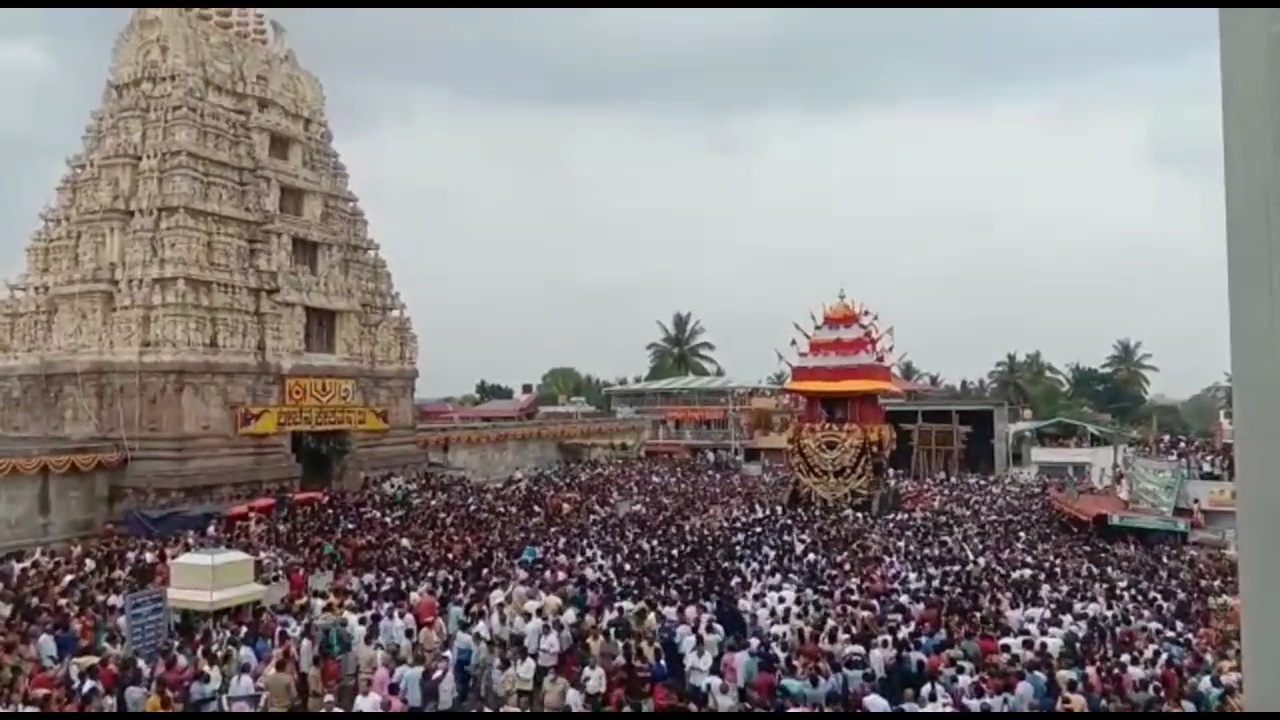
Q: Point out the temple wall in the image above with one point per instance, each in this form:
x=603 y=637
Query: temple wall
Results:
x=494 y=451
x=177 y=420
x=116 y=399
x=48 y=508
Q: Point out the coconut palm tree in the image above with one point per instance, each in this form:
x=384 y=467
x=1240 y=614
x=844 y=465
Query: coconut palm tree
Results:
x=1042 y=373
x=909 y=371
x=972 y=388
x=1010 y=381
x=681 y=349
x=778 y=378
x=933 y=380
x=1130 y=365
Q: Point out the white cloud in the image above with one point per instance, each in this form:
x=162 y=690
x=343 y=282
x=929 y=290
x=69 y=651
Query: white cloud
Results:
x=25 y=64
x=546 y=184
x=525 y=237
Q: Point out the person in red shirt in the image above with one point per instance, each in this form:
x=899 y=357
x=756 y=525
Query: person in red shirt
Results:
x=330 y=674
x=987 y=645
x=763 y=686
x=297 y=583
x=663 y=698
x=108 y=676
x=428 y=610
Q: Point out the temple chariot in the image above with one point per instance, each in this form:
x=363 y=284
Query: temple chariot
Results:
x=840 y=440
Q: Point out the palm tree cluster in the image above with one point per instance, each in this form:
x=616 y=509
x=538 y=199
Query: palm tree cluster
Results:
x=1116 y=389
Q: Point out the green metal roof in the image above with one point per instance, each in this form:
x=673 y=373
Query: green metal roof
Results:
x=1033 y=425
x=686 y=383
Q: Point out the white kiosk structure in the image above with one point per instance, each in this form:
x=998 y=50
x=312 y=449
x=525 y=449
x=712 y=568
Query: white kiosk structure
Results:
x=213 y=579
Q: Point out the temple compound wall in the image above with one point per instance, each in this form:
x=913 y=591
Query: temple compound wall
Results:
x=55 y=498
x=496 y=451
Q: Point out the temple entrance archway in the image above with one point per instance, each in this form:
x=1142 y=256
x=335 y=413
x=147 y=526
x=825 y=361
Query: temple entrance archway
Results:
x=320 y=455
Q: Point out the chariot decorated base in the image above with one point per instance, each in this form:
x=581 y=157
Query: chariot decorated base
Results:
x=840 y=440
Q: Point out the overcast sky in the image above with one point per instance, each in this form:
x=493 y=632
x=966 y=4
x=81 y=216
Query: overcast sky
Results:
x=546 y=184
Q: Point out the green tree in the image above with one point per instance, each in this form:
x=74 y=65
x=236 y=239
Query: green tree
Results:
x=778 y=378
x=1168 y=418
x=1041 y=372
x=564 y=382
x=933 y=380
x=1223 y=391
x=560 y=382
x=909 y=371
x=1010 y=380
x=1029 y=381
x=681 y=349
x=486 y=391
x=1200 y=411
x=1130 y=365
x=1087 y=385
x=967 y=388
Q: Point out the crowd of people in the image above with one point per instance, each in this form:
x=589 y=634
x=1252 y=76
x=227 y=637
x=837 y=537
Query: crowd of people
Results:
x=636 y=585
x=1204 y=459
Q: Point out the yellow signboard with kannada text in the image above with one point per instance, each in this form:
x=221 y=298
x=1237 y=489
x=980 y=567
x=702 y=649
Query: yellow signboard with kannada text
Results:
x=272 y=420
x=319 y=391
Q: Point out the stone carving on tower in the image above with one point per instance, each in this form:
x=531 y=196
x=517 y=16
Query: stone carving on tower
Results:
x=207 y=216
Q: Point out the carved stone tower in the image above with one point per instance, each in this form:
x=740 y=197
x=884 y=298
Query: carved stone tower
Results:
x=202 y=250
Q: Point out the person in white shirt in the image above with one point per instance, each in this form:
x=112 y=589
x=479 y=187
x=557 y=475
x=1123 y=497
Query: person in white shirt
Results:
x=532 y=633
x=367 y=700
x=548 y=649
x=875 y=702
x=526 y=670
x=697 y=664
x=594 y=680
x=331 y=704
x=242 y=684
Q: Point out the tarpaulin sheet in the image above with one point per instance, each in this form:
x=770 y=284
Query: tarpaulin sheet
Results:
x=166 y=523
x=1154 y=484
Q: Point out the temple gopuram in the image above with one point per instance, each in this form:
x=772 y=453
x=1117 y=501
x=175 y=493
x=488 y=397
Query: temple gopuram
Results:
x=203 y=311
x=840 y=440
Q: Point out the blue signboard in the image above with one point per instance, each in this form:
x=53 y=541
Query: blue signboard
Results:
x=146 y=621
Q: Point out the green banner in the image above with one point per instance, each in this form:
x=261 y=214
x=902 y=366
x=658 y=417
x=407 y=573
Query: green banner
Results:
x=1154 y=484
x=1139 y=522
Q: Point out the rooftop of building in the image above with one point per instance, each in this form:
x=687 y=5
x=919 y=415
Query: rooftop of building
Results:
x=689 y=383
x=715 y=383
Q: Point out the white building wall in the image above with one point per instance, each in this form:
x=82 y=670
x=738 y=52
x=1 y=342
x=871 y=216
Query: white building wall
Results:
x=1101 y=460
x=1251 y=133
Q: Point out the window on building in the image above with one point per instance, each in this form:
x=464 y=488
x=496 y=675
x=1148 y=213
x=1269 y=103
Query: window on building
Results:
x=306 y=255
x=291 y=201
x=321 y=334
x=278 y=147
